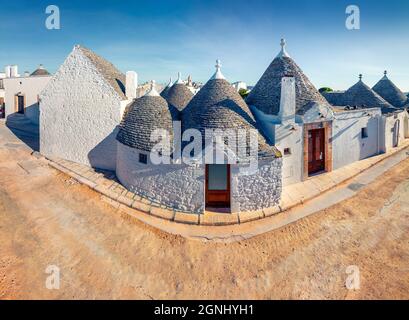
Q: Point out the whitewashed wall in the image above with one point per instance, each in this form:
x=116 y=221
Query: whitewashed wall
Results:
x=176 y=186
x=347 y=144
x=79 y=115
x=259 y=190
x=31 y=87
x=389 y=129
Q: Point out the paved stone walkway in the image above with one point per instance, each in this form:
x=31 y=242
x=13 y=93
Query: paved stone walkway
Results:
x=115 y=194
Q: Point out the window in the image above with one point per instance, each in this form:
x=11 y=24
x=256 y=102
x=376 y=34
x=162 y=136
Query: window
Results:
x=287 y=151
x=364 y=133
x=143 y=158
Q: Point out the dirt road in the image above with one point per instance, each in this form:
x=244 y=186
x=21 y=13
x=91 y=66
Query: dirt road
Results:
x=48 y=219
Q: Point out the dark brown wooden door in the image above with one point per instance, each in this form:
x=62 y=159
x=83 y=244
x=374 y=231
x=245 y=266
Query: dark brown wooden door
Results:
x=218 y=185
x=316 y=151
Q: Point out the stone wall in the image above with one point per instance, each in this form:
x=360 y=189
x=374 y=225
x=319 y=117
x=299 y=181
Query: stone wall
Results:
x=80 y=112
x=259 y=190
x=176 y=186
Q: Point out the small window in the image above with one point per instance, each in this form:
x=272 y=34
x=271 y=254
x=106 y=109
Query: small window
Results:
x=364 y=133
x=143 y=158
x=287 y=151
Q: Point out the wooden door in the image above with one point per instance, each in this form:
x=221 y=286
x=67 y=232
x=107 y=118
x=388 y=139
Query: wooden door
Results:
x=218 y=185
x=20 y=104
x=316 y=151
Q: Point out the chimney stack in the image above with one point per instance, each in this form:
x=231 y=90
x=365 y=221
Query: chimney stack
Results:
x=287 y=102
x=14 y=71
x=7 y=71
x=131 y=84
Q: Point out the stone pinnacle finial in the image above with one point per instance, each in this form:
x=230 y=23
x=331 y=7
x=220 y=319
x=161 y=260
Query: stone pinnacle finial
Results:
x=179 y=80
x=282 y=43
x=152 y=91
x=283 y=52
x=218 y=74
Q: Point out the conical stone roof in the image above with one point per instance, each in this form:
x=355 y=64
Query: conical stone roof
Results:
x=218 y=106
x=142 y=117
x=391 y=93
x=178 y=95
x=361 y=95
x=40 y=71
x=266 y=95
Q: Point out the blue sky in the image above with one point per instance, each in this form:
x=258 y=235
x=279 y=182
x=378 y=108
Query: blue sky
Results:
x=159 y=38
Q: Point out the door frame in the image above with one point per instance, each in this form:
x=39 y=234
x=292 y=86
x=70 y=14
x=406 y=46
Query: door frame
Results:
x=327 y=126
x=228 y=191
x=16 y=102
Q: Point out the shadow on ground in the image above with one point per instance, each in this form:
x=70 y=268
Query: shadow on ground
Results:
x=25 y=130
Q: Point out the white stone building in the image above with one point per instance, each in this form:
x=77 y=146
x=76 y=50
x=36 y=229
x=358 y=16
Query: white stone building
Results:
x=81 y=108
x=193 y=186
x=92 y=114
x=316 y=136
x=21 y=93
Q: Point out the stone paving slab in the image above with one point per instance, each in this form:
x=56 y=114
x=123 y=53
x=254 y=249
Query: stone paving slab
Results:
x=118 y=196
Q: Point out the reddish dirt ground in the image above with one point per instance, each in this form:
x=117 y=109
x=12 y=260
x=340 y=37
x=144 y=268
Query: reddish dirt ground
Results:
x=48 y=219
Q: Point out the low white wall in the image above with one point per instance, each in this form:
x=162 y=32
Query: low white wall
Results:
x=31 y=88
x=259 y=190
x=347 y=143
x=176 y=186
x=389 y=129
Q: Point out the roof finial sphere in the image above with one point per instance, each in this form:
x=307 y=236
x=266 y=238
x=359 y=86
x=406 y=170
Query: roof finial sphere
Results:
x=282 y=43
x=385 y=72
x=360 y=77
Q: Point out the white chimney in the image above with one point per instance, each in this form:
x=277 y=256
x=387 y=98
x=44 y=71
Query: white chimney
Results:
x=14 y=71
x=7 y=71
x=287 y=102
x=131 y=84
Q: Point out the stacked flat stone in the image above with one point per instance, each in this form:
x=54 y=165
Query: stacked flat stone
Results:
x=335 y=98
x=391 y=93
x=266 y=94
x=115 y=78
x=40 y=72
x=141 y=118
x=179 y=96
x=363 y=96
x=218 y=106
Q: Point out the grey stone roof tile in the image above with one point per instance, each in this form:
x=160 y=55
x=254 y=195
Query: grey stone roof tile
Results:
x=141 y=118
x=178 y=96
x=266 y=94
x=391 y=93
x=111 y=74
x=218 y=106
